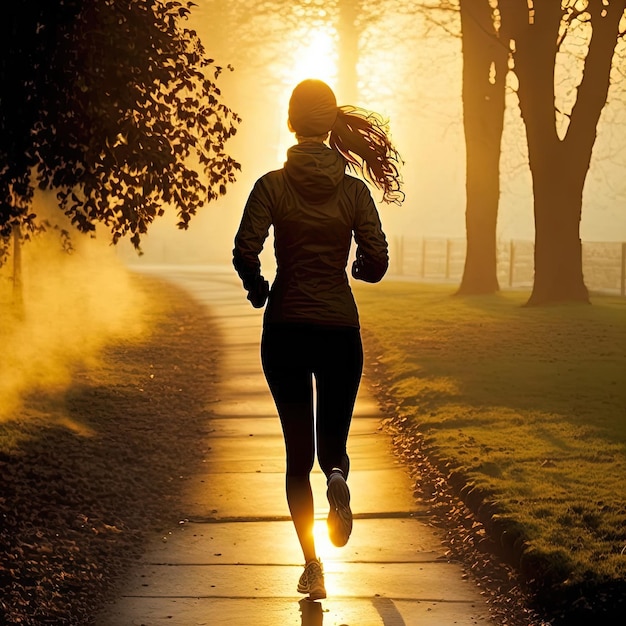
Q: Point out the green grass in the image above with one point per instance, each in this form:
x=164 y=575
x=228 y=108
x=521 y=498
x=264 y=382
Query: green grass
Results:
x=529 y=404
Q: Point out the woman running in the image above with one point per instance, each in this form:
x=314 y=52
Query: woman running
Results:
x=311 y=323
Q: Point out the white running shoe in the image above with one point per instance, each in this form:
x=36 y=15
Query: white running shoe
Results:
x=312 y=580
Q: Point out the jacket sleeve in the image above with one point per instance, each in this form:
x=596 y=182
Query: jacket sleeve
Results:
x=251 y=235
x=372 y=257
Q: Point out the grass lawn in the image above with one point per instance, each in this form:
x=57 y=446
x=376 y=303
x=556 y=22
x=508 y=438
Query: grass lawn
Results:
x=527 y=404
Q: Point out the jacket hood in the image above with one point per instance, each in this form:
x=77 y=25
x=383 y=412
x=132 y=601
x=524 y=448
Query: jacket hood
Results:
x=315 y=170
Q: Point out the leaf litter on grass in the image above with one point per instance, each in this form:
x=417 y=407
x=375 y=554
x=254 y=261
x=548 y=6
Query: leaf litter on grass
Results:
x=92 y=470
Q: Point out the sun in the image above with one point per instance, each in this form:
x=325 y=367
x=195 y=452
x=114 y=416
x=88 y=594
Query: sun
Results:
x=315 y=56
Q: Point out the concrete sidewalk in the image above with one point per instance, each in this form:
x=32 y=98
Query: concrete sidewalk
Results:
x=236 y=561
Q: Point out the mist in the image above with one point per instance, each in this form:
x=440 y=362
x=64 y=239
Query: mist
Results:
x=410 y=72
x=73 y=305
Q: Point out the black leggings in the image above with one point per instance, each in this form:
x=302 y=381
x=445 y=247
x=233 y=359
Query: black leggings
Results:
x=291 y=356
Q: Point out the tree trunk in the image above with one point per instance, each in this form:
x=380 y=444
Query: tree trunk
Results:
x=18 y=288
x=558 y=249
x=559 y=166
x=484 y=73
x=348 y=49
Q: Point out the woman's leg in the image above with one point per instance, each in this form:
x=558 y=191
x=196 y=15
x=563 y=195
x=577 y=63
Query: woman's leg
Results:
x=338 y=373
x=338 y=369
x=290 y=382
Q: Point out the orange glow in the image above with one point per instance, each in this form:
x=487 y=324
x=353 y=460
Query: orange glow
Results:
x=315 y=57
x=324 y=547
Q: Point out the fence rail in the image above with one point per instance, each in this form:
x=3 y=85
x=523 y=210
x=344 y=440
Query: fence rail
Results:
x=604 y=264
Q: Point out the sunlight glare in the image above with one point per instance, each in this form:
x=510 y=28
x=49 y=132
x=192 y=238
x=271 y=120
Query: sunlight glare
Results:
x=322 y=542
x=315 y=57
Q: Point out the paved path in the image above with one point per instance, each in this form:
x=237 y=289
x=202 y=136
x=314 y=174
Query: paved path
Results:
x=236 y=561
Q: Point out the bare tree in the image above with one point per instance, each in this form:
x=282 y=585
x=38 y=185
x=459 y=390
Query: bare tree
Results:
x=532 y=33
x=485 y=65
x=559 y=165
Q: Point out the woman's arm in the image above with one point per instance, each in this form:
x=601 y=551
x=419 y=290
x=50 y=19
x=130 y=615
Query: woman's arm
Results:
x=372 y=257
x=251 y=235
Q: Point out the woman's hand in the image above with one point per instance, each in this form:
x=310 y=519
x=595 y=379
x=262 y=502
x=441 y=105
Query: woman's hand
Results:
x=259 y=292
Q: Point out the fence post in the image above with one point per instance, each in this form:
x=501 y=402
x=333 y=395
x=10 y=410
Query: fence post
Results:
x=511 y=262
x=423 y=264
x=400 y=254
x=448 y=252
x=623 y=276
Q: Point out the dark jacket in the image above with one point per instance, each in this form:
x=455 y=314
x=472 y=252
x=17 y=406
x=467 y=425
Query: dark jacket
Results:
x=315 y=207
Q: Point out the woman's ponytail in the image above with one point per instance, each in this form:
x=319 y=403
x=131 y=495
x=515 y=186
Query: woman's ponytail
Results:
x=361 y=137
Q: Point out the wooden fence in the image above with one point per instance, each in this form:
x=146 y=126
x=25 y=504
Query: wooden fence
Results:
x=604 y=264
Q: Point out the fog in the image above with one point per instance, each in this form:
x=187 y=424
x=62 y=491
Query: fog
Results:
x=409 y=71
x=73 y=305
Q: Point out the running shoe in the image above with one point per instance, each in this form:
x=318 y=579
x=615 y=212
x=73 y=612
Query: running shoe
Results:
x=312 y=580
x=340 y=516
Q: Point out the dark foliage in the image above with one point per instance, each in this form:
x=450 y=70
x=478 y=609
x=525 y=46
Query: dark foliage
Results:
x=114 y=105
